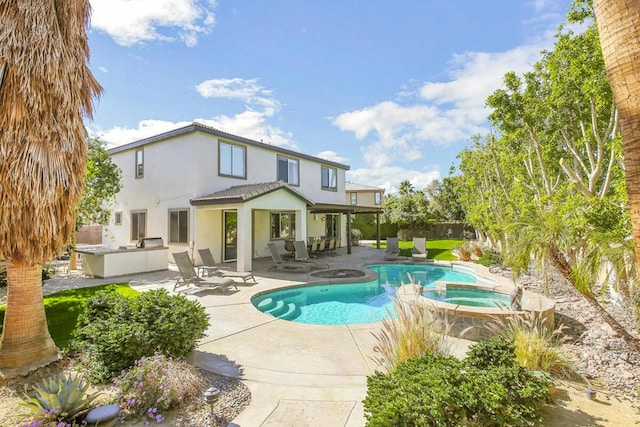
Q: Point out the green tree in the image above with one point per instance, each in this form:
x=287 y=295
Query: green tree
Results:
x=406 y=188
x=102 y=185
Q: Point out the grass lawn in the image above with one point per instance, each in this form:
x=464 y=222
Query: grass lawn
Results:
x=437 y=249
x=63 y=309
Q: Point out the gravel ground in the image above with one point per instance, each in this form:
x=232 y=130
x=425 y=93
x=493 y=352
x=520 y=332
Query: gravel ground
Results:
x=601 y=356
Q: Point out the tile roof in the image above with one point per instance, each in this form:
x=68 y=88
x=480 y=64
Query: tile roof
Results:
x=350 y=186
x=243 y=193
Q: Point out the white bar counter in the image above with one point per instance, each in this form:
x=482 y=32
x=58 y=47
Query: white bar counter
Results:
x=105 y=263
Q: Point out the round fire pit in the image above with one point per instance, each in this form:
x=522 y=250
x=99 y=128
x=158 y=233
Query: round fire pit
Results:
x=338 y=273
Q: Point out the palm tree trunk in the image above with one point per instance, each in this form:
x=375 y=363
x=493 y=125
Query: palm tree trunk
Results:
x=619 y=33
x=26 y=344
x=560 y=262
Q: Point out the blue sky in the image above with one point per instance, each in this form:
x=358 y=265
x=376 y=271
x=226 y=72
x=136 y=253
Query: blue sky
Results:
x=394 y=89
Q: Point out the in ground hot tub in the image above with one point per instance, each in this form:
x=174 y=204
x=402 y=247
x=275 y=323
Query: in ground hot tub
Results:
x=471 y=307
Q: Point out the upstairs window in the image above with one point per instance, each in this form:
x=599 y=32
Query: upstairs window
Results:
x=329 y=178
x=354 y=198
x=283 y=225
x=138 y=225
x=232 y=160
x=377 y=198
x=288 y=170
x=139 y=163
x=179 y=226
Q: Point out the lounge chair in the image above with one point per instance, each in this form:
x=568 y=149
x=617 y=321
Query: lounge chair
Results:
x=419 y=248
x=188 y=275
x=393 y=250
x=302 y=255
x=286 y=265
x=209 y=266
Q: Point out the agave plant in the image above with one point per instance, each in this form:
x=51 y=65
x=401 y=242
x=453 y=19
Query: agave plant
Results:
x=62 y=397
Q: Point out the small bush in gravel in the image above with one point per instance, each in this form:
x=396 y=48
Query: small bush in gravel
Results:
x=490 y=258
x=114 y=331
x=154 y=384
x=536 y=345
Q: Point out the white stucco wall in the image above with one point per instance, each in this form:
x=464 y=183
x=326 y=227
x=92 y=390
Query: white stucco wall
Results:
x=186 y=166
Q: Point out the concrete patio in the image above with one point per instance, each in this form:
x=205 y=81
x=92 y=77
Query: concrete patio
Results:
x=298 y=374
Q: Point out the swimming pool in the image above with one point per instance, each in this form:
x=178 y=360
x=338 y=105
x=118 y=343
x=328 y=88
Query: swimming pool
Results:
x=353 y=303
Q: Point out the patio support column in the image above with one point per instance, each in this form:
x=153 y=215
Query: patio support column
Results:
x=349 y=232
x=301 y=225
x=245 y=231
x=378 y=229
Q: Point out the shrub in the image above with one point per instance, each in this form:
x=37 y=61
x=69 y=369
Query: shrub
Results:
x=412 y=332
x=477 y=250
x=465 y=251
x=114 y=331
x=491 y=257
x=60 y=398
x=482 y=390
x=154 y=384
x=536 y=345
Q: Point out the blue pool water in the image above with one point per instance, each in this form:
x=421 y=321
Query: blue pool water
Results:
x=356 y=303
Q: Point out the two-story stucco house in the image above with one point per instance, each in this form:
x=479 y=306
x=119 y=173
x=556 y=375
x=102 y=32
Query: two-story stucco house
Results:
x=363 y=195
x=198 y=187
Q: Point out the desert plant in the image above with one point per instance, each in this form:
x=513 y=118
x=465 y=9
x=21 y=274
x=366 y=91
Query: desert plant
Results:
x=114 y=331
x=477 y=250
x=59 y=398
x=154 y=384
x=537 y=346
x=412 y=332
x=465 y=251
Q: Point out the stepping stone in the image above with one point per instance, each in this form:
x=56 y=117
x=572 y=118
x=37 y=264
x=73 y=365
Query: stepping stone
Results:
x=103 y=415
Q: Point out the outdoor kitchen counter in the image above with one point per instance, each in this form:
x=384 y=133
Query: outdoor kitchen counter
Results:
x=103 y=262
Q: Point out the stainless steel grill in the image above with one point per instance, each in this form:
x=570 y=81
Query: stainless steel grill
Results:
x=150 y=242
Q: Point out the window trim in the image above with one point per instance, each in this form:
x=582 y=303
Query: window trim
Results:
x=377 y=198
x=169 y=212
x=117 y=218
x=232 y=145
x=328 y=188
x=354 y=198
x=288 y=159
x=146 y=220
x=139 y=167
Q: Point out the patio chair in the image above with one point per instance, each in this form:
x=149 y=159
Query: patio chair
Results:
x=188 y=275
x=302 y=255
x=322 y=246
x=393 y=250
x=313 y=252
x=285 y=265
x=209 y=266
x=332 y=246
x=419 y=248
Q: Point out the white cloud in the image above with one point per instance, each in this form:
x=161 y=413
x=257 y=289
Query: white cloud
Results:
x=332 y=156
x=137 y=21
x=445 y=113
x=390 y=177
x=246 y=90
x=252 y=123
x=103 y=69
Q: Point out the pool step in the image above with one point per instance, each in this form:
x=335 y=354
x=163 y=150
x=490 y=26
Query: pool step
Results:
x=293 y=312
x=279 y=309
x=266 y=304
